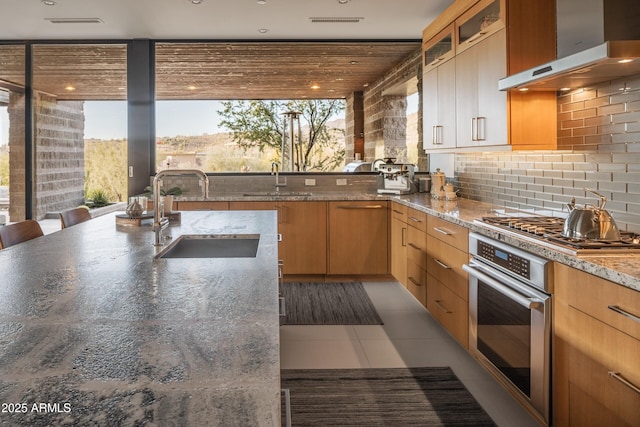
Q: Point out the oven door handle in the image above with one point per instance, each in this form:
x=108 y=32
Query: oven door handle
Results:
x=532 y=303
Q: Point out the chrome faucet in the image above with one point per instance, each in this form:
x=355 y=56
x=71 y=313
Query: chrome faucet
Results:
x=159 y=221
x=275 y=170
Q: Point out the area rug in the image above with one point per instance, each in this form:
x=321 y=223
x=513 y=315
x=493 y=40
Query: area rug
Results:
x=380 y=397
x=328 y=303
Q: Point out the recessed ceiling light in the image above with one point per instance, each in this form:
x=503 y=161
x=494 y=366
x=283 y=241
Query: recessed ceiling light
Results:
x=192 y=87
x=263 y=30
x=353 y=62
x=48 y=2
x=315 y=86
x=70 y=88
x=196 y=1
x=523 y=89
x=343 y=1
x=262 y=2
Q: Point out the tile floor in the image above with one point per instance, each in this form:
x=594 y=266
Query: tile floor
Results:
x=410 y=337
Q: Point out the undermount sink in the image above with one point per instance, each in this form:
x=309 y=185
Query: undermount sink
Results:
x=278 y=193
x=212 y=246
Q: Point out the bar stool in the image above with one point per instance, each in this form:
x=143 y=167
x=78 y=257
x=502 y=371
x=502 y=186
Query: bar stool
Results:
x=74 y=216
x=19 y=232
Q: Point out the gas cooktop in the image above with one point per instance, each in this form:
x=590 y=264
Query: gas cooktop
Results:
x=548 y=231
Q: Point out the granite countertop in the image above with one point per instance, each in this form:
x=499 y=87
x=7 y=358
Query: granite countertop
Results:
x=621 y=269
x=95 y=331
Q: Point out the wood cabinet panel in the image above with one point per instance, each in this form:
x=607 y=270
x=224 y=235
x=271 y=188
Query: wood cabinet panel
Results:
x=398 y=249
x=417 y=219
x=358 y=238
x=417 y=246
x=417 y=282
x=449 y=309
x=590 y=341
x=303 y=226
x=448 y=232
x=444 y=262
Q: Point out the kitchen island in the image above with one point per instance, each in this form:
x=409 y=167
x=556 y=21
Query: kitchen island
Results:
x=95 y=331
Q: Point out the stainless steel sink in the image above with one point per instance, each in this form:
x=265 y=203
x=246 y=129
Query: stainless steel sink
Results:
x=278 y=193
x=212 y=246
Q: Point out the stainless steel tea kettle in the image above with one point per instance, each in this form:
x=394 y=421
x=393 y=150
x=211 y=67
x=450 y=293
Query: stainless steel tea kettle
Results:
x=590 y=222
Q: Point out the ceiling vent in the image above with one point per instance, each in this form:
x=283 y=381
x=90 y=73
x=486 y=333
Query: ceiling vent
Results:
x=335 y=19
x=74 y=20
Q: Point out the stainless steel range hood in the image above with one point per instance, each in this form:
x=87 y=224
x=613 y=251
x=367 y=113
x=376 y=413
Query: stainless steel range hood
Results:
x=607 y=61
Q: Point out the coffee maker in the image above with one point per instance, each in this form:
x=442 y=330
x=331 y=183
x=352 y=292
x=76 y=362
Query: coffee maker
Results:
x=395 y=178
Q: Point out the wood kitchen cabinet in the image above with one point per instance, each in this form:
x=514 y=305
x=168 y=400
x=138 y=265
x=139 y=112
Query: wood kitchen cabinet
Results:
x=596 y=343
x=398 y=245
x=491 y=39
x=358 y=238
x=447 y=284
x=303 y=226
x=417 y=254
x=204 y=205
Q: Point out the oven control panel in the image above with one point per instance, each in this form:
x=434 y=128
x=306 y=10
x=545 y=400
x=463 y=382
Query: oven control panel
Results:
x=507 y=260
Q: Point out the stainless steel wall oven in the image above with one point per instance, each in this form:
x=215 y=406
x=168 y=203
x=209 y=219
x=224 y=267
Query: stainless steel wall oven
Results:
x=510 y=319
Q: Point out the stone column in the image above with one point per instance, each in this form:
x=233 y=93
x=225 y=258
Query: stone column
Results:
x=16 y=157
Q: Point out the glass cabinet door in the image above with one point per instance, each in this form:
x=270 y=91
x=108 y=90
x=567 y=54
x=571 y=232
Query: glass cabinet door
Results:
x=439 y=48
x=481 y=20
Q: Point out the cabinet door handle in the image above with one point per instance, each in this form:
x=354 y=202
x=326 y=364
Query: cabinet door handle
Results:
x=442 y=264
x=360 y=207
x=437 y=135
x=287 y=406
x=282 y=307
x=443 y=231
x=481 y=126
x=474 y=129
x=404 y=236
x=446 y=310
x=625 y=313
x=414 y=281
x=414 y=219
x=618 y=376
x=279 y=237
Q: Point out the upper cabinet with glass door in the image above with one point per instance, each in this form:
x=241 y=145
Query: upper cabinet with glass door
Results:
x=479 y=22
x=438 y=49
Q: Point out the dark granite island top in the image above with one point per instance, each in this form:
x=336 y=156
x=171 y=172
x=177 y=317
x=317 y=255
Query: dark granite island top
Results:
x=95 y=331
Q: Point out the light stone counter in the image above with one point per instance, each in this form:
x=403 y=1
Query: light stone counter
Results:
x=93 y=326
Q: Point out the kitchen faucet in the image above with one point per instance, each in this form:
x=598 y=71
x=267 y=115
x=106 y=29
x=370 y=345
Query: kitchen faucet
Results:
x=159 y=221
x=275 y=170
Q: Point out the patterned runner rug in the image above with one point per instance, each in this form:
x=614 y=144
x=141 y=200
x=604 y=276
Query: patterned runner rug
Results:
x=380 y=397
x=328 y=303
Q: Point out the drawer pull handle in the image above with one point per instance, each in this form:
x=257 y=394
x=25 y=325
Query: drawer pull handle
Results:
x=623 y=380
x=443 y=231
x=624 y=313
x=414 y=219
x=442 y=264
x=414 y=281
x=398 y=212
x=446 y=310
x=287 y=406
x=360 y=207
x=418 y=248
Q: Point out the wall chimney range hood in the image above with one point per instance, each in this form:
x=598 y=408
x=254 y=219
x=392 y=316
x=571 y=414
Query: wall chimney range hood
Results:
x=607 y=61
x=597 y=41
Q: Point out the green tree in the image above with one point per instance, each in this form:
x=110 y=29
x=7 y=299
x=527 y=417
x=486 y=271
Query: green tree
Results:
x=260 y=124
x=106 y=168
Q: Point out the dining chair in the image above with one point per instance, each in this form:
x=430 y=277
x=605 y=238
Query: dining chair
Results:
x=19 y=232
x=74 y=216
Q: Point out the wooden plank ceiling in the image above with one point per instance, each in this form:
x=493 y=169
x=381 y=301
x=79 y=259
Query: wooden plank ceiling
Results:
x=213 y=70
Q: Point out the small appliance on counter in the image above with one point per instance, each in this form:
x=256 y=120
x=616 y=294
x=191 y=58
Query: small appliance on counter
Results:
x=438 y=182
x=394 y=178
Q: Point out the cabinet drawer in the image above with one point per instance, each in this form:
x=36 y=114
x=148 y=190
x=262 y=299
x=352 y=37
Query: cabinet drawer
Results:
x=417 y=282
x=444 y=262
x=417 y=219
x=601 y=361
x=613 y=304
x=417 y=246
x=449 y=309
x=453 y=234
x=399 y=211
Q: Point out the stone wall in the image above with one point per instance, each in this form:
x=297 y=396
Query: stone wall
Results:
x=599 y=141
x=385 y=115
x=16 y=157
x=58 y=154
